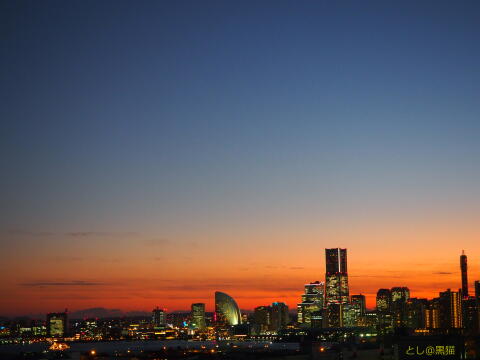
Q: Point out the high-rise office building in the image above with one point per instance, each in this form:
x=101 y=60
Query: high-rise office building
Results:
x=470 y=315
x=463 y=268
x=270 y=318
x=312 y=301
x=336 y=276
x=399 y=297
x=384 y=307
x=401 y=294
x=198 y=316
x=349 y=315
x=159 y=318
x=432 y=314
x=314 y=293
x=358 y=309
x=57 y=324
x=384 y=297
x=358 y=302
x=305 y=312
x=279 y=316
x=450 y=307
x=415 y=318
x=334 y=314
x=261 y=319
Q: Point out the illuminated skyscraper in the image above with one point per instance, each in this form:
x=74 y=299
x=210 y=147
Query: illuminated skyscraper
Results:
x=358 y=302
x=349 y=315
x=400 y=295
x=335 y=315
x=314 y=292
x=358 y=309
x=226 y=309
x=159 y=318
x=198 y=316
x=432 y=314
x=312 y=301
x=450 y=307
x=463 y=268
x=57 y=324
x=304 y=313
x=336 y=276
x=384 y=297
x=384 y=308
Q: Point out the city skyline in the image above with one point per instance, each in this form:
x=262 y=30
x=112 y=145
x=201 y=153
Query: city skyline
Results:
x=155 y=152
x=326 y=312
x=209 y=305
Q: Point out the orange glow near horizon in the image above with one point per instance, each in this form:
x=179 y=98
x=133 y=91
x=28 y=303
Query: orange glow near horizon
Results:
x=135 y=273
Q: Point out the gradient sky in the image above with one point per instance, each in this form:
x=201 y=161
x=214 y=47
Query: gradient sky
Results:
x=153 y=152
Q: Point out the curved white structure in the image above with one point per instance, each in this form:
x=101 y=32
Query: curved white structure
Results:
x=226 y=309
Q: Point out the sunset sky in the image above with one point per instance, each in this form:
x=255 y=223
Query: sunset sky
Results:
x=153 y=152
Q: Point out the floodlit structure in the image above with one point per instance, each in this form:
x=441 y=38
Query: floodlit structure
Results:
x=312 y=301
x=336 y=276
x=198 y=316
x=226 y=309
x=57 y=324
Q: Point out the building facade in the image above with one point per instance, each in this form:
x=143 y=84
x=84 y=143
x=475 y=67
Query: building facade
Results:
x=198 y=316
x=398 y=304
x=279 y=317
x=336 y=276
x=159 y=317
x=450 y=307
x=383 y=300
x=313 y=300
x=57 y=324
x=226 y=309
x=359 y=308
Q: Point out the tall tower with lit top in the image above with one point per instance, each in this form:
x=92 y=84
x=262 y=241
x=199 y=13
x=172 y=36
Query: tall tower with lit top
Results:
x=336 y=277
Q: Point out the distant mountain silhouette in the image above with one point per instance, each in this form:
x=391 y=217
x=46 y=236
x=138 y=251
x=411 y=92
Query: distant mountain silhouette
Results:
x=100 y=312
x=97 y=312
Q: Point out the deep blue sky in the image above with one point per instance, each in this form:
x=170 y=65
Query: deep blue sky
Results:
x=156 y=110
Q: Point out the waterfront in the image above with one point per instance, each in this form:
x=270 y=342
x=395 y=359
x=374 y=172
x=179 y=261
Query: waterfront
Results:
x=126 y=349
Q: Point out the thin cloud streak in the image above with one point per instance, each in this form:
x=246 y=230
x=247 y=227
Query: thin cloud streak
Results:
x=63 y=283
